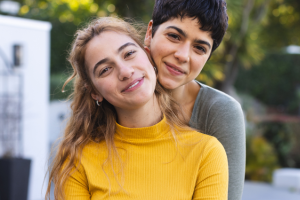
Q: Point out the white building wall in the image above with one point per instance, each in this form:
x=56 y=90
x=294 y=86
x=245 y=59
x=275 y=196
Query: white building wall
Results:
x=34 y=36
x=59 y=114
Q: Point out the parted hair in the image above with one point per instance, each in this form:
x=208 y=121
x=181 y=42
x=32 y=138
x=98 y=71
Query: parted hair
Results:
x=211 y=14
x=89 y=122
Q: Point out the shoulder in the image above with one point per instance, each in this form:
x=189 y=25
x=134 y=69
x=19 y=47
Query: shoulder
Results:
x=219 y=105
x=200 y=140
x=216 y=113
x=207 y=147
x=211 y=102
x=212 y=97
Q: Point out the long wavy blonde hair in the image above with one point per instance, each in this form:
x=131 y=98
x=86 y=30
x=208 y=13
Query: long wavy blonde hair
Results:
x=88 y=122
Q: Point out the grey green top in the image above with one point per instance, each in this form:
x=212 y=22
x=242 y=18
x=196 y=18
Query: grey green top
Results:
x=217 y=114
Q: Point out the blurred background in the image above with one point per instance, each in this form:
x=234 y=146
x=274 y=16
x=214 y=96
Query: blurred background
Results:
x=258 y=63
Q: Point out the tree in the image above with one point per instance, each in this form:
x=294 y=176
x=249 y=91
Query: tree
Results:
x=66 y=16
x=254 y=25
x=255 y=28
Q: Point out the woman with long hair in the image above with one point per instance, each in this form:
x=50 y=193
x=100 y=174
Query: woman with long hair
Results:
x=126 y=137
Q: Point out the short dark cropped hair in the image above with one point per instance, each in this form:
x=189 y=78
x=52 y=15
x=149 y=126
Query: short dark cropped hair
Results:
x=211 y=15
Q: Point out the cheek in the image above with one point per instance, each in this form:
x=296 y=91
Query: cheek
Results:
x=162 y=49
x=105 y=88
x=159 y=48
x=145 y=64
x=148 y=68
x=151 y=74
x=199 y=63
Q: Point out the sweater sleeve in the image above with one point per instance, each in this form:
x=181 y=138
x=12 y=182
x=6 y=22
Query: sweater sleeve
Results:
x=212 y=180
x=219 y=115
x=226 y=123
x=76 y=185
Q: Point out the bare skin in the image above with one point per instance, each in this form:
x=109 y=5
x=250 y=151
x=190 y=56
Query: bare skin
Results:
x=123 y=75
x=186 y=95
x=180 y=50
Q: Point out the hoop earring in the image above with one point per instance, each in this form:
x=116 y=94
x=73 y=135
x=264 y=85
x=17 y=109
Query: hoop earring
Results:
x=98 y=104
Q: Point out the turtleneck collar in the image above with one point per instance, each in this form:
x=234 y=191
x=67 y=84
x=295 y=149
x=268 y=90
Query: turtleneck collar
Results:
x=147 y=133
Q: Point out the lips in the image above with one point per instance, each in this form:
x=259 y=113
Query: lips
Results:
x=173 y=69
x=134 y=85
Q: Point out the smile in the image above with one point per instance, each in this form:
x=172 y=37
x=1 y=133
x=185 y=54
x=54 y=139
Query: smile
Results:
x=134 y=85
x=174 y=70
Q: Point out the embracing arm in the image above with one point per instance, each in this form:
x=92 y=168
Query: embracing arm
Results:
x=212 y=180
x=226 y=123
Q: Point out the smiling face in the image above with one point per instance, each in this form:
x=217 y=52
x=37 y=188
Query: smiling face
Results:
x=120 y=70
x=179 y=49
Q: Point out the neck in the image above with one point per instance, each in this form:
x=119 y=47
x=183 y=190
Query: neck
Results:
x=144 y=116
x=181 y=95
x=186 y=95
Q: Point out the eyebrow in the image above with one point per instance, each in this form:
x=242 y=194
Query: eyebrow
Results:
x=179 y=30
x=105 y=60
x=125 y=45
x=100 y=63
x=202 y=42
x=182 y=32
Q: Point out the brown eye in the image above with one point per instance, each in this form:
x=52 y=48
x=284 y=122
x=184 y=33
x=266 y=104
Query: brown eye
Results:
x=103 y=71
x=173 y=36
x=200 y=48
x=129 y=53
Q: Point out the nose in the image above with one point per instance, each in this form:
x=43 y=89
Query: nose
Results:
x=183 y=53
x=125 y=71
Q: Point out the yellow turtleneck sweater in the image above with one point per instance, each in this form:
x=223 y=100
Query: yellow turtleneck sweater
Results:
x=153 y=167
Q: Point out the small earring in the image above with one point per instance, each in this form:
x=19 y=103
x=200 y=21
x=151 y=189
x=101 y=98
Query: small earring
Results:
x=98 y=104
x=155 y=69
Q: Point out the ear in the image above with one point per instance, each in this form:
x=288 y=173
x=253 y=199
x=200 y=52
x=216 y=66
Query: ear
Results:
x=97 y=97
x=148 y=35
x=147 y=49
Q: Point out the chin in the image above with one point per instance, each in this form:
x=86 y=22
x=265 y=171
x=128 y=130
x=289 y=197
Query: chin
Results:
x=143 y=98
x=168 y=84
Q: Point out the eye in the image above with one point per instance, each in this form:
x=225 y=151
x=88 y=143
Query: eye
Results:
x=129 y=53
x=173 y=36
x=201 y=49
x=104 y=70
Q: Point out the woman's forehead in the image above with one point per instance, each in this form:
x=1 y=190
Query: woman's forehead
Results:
x=107 y=43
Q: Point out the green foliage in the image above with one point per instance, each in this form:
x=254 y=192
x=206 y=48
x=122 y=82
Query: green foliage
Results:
x=56 y=84
x=261 y=159
x=283 y=140
x=241 y=44
x=66 y=16
x=294 y=153
x=282 y=27
x=271 y=24
x=61 y=38
x=141 y=10
x=275 y=81
x=271 y=145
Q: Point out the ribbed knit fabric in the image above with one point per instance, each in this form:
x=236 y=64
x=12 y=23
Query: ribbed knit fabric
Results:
x=150 y=165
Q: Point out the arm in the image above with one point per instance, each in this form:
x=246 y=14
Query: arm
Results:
x=76 y=185
x=226 y=123
x=212 y=180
